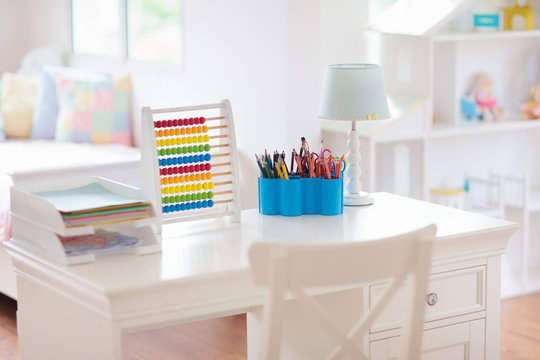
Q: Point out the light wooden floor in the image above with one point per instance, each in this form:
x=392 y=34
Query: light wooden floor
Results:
x=225 y=338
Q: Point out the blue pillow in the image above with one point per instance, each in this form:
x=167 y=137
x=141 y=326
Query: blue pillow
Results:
x=46 y=107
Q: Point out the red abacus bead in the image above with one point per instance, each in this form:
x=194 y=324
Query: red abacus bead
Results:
x=169 y=122
x=190 y=167
x=208 y=166
x=203 y=120
x=175 y=122
x=180 y=169
x=190 y=121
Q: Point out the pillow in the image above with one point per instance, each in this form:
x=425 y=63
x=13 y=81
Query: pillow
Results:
x=2 y=136
x=19 y=94
x=46 y=109
x=95 y=111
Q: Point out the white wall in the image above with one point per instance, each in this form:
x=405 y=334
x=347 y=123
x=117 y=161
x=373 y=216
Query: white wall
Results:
x=266 y=56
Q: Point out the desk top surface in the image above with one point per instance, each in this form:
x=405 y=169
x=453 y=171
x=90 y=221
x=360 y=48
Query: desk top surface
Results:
x=201 y=248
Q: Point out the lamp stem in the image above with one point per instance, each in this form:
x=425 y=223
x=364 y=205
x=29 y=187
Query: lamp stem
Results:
x=354 y=195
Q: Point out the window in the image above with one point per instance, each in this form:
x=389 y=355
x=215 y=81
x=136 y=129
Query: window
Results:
x=147 y=30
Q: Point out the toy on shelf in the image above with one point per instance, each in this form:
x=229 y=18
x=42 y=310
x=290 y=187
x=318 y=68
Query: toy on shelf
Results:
x=480 y=102
x=486 y=22
x=531 y=109
x=520 y=8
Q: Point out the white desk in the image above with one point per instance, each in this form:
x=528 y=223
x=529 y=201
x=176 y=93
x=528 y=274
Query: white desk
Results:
x=79 y=312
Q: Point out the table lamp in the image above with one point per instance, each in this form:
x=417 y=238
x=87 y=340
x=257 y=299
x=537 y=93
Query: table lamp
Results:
x=354 y=92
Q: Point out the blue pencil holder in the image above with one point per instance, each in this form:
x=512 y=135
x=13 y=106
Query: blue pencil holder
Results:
x=298 y=196
x=331 y=196
x=311 y=201
x=268 y=199
x=290 y=197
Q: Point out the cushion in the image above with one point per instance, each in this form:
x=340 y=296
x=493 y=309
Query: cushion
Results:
x=46 y=109
x=19 y=93
x=93 y=110
x=2 y=136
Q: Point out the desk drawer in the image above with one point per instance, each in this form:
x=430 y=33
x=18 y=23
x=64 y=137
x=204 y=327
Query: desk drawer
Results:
x=456 y=292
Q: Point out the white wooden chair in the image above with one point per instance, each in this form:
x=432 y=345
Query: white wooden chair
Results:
x=485 y=195
x=297 y=269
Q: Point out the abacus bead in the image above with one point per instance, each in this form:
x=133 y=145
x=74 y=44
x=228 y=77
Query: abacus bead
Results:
x=190 y=121
x=207 y=147
x=210 y=203
x=182 y=207
x=205 y=204
x=208 y=166
x=188 y=206
x=205 y=128
x=175 y=122
x=210 y=194
x=199 y=204
x=202 y=120
x=207 y=157
x=178 y=207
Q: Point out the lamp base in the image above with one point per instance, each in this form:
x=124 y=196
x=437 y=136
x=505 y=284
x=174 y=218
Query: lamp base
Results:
x=358 y=199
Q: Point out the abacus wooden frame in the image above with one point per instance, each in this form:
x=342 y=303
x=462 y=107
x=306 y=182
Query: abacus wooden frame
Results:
x=150 y=163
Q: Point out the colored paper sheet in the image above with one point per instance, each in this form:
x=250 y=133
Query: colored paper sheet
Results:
x=90 y=196
x=105 y=217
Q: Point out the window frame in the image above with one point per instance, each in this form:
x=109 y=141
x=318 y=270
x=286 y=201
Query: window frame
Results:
x=124 y=57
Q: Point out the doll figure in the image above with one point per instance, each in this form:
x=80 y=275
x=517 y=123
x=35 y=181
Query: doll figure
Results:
x=531 y=109
x=486 y=102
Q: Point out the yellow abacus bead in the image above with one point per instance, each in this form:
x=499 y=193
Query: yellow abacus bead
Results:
x=206 y=138
x=199 y=186
x=177 y=189
x=205 y=186
x=184 y=140
x=163 y=190
x=182 y=188
x=211 y=185
x=200 y=138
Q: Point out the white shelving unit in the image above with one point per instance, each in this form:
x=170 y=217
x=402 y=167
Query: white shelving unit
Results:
x=433 y=145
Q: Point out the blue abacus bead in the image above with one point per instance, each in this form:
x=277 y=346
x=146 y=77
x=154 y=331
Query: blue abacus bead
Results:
x=177 y=207
x=191 y=158
x=161 y=162
x=199 y=204
x=182 y=207
x=169 y=161
x=210 y=203
x=207 y=157
x=174 y=161
x=188 y=206
x=165 y=209
x=205 y=204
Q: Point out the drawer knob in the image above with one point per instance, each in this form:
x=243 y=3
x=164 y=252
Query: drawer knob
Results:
x=432 y=299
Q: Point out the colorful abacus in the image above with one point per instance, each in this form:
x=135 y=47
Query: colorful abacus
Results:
x=171 y=136
x=186 y=149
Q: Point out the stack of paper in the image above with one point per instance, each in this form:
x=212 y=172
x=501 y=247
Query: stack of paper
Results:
x=93 y=204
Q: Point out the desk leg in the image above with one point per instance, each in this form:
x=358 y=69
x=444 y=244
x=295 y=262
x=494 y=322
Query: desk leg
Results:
x=493 y=307
x=53 y=325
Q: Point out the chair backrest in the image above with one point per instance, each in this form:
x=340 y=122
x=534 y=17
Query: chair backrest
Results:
x=485 y=195
x=189 y=161
x=294 y=269
x=516 y=190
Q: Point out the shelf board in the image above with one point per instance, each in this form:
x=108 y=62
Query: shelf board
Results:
x=445 y=131
x=495 y=35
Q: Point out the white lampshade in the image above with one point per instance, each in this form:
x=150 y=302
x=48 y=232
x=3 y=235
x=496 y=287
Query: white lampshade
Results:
x=354 y=92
